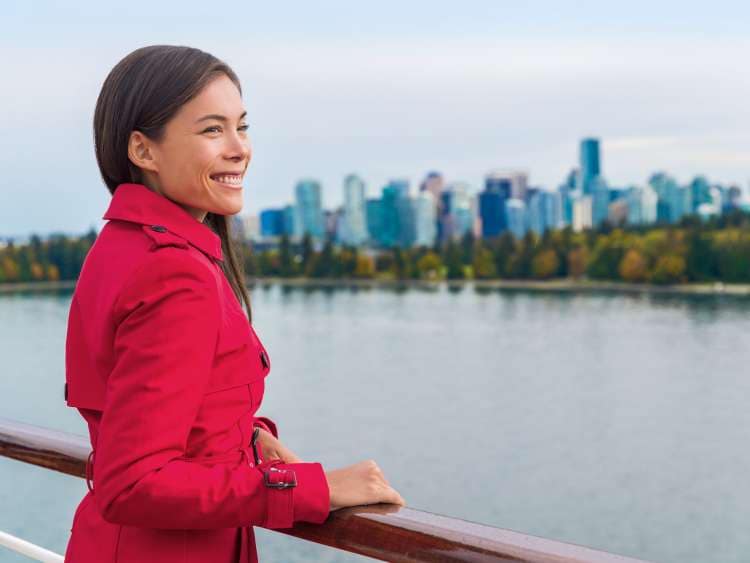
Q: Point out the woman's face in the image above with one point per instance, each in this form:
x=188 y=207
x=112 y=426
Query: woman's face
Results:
x=201 y=160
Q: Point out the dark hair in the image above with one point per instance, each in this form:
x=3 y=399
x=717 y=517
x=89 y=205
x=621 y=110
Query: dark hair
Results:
x=142 y=93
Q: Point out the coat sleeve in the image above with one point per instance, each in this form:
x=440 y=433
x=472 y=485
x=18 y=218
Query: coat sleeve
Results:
x=167 y=325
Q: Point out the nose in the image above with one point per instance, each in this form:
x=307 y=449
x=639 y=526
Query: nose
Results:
x=238 y=147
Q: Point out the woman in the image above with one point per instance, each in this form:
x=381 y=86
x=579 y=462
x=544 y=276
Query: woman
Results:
x=161 y=360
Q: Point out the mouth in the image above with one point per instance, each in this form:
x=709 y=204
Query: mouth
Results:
x=229 y=180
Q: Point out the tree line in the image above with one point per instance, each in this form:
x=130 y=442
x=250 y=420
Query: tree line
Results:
x=57 y=258
x=692 y=251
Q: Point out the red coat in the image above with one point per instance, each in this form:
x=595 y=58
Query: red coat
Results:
x=164 y=366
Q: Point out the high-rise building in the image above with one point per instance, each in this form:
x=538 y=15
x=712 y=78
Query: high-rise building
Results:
x=498 y=189
x=406 y=221
x=309 y=209
x=567 y=191
x=462 y=209
x=552 y=210
x=373 y=212
x=517 y=180
x=354 y=225
x=425 y=218
x=582 y=218
x=732 y=198
x=600 y=200
x=590 y=165
x=618 y=212
x=455 y=216
x=700 y=192
x=674 y=200
x=390 y=221
x=536 y=215
x=433 y=183
x=517 y=217
x=333 y=221
x=271 y=223
x=290 y=212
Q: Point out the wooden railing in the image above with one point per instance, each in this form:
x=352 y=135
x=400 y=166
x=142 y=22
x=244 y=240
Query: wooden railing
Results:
x=385 y=532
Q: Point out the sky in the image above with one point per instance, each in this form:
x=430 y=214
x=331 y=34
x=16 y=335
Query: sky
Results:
x=388 y=89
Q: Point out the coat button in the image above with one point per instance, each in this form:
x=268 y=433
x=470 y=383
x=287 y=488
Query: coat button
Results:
x=158 y=228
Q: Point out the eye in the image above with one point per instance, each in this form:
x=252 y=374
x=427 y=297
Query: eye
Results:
x=243 y=127
x=213 y=128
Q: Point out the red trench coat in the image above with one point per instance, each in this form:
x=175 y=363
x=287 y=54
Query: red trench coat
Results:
x=164 y=366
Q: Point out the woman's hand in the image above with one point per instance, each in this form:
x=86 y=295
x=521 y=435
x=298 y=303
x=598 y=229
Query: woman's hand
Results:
x=271 y=448
x=361 y=483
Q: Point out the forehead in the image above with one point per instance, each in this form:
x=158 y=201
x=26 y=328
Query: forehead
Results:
x=219 y=96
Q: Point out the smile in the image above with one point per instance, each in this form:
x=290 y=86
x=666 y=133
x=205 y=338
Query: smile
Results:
x=233 y=180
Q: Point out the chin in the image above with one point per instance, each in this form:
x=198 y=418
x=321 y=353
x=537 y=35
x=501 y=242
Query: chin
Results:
x=229 y=209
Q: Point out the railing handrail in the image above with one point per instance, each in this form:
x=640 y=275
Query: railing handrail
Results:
x=385 y=532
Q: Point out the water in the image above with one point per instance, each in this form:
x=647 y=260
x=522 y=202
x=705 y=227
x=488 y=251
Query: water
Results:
x=617 y=422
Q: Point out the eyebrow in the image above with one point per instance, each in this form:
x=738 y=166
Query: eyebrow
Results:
x=218 y=117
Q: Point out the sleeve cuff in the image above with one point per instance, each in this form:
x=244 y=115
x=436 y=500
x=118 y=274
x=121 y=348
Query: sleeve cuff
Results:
x=307 y=501
x=312 y=500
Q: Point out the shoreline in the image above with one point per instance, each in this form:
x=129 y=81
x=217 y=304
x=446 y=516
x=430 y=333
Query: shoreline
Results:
x=551 y=286
x=567 y=285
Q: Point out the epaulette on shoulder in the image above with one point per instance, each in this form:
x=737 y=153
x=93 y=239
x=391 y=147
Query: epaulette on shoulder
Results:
x=161 y=236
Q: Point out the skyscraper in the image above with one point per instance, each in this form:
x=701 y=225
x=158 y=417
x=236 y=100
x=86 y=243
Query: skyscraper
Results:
x=517 y=217
x=536 y=215
x=390 y=221
x=309 y=209
x=600 y=200
x=272 y=222
x=498 y=189
x=425 y=218
x=590 y=164
x=582 y=213
x=354 y=228
x=517 y=180
x=290 y=212
x=373 y=212
x=433 y=183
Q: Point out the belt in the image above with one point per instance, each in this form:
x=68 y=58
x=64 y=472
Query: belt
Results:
x=273 y=477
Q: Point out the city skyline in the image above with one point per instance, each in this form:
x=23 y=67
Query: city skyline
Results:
x=590 y=167
x=394 y=92
x=441 y=211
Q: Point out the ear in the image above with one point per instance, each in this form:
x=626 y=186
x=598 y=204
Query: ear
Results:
x=140 y=151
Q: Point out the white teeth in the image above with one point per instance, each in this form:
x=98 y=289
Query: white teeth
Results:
x=234 y=180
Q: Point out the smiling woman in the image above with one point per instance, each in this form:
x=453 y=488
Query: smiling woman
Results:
x=219 y=148
x=161 y=360
x=180 y=124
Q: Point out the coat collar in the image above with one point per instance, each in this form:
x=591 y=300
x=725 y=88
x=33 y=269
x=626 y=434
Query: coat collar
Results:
x=138 y=204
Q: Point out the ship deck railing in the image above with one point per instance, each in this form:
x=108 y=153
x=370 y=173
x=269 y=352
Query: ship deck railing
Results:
x=384 y=531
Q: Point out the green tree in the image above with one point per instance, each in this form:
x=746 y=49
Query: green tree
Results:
x=545 y=264
x=503 y=250
x=430 y=266
x=484 y=264
x=287 y=266
x=633 y=267
x=669 y=269
x=453 y=263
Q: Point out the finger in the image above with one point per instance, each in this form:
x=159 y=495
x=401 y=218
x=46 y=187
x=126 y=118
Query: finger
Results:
x=395 y=498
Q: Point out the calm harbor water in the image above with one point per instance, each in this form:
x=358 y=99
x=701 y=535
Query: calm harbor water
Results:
x=617 y=422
